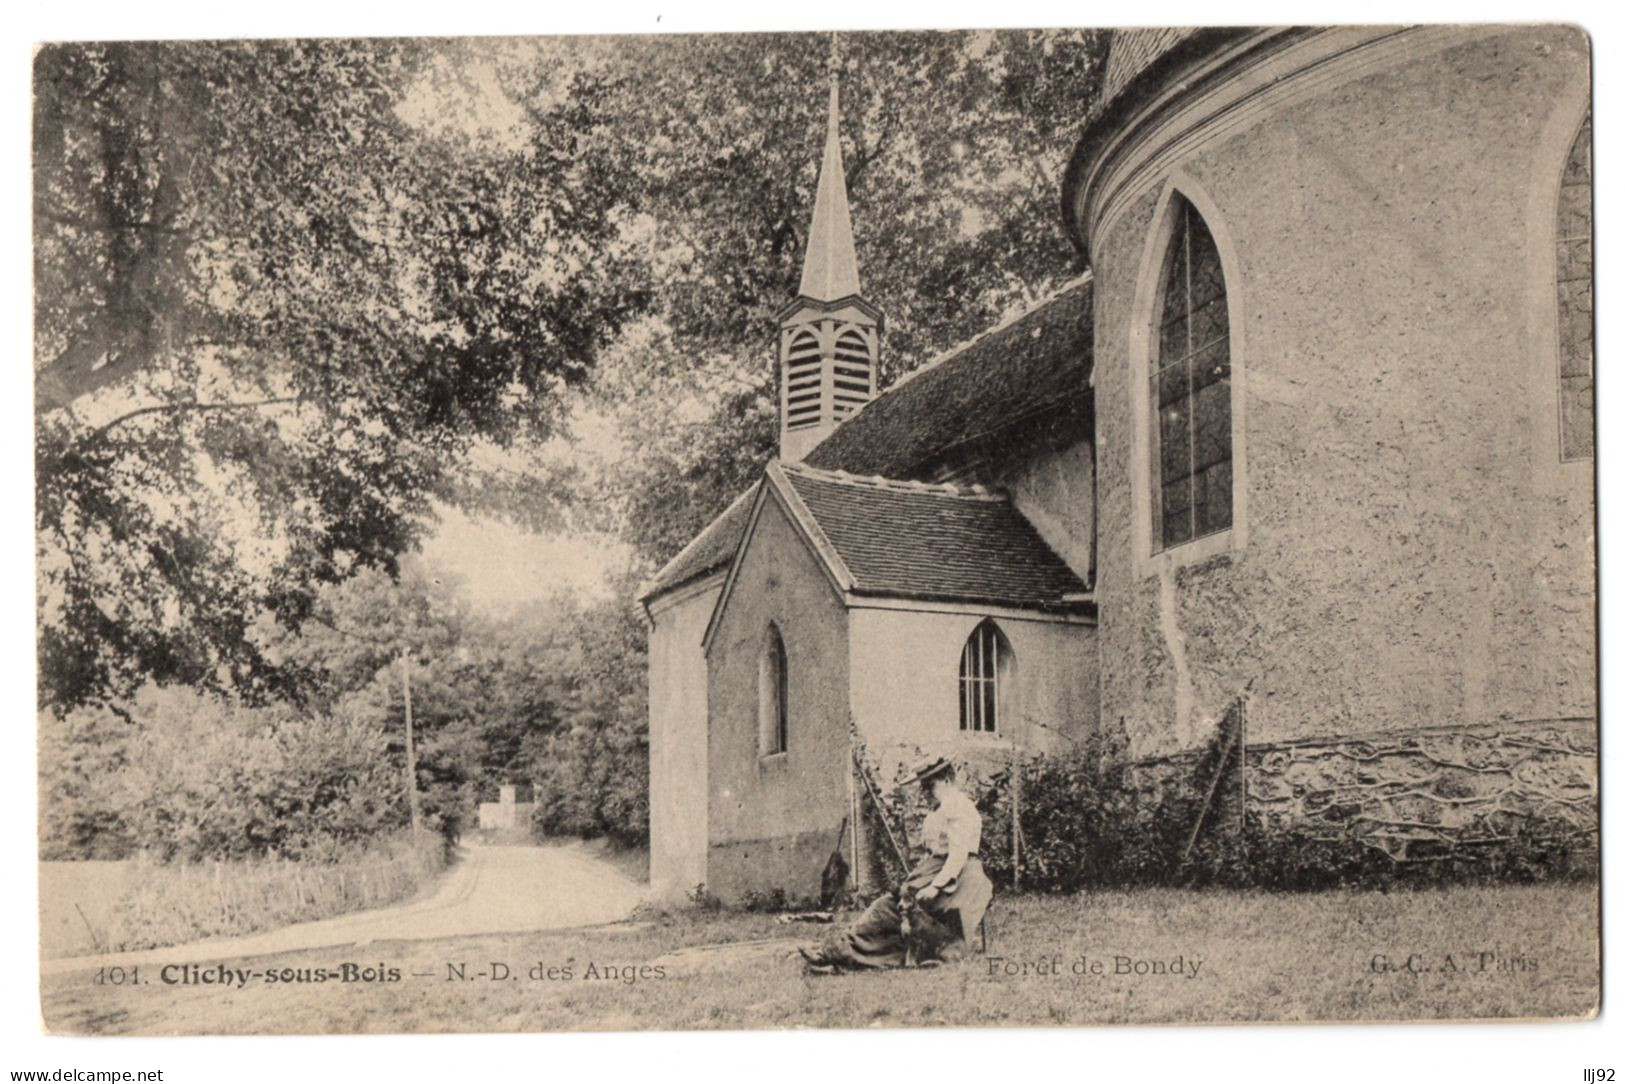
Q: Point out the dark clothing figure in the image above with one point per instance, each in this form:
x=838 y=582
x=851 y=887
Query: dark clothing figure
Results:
x=936 y=926
x=941 y=902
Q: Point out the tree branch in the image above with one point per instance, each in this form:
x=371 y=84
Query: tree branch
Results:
x=189 y=405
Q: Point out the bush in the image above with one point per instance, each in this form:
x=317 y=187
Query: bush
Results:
x=595 y=783
x=1082 y=827
x=188 y=777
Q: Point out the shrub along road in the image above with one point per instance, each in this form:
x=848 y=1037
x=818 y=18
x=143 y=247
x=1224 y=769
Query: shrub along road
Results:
x=1145 y=956
x=490 y=890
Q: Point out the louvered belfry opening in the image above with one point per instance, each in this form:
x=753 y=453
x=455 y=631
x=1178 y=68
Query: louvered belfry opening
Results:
x=803 y=381
x=852 y=377
x=828 y=375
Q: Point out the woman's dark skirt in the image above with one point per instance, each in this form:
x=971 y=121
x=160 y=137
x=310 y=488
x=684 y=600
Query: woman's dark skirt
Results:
x=877 y=939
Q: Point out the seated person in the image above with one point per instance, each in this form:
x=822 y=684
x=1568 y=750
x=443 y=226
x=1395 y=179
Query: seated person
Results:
x=933 y=913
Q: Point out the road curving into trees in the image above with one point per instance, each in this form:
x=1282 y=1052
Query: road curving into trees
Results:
x=490 y=890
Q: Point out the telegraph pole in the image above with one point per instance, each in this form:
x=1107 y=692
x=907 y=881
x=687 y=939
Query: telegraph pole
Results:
x=406 y=696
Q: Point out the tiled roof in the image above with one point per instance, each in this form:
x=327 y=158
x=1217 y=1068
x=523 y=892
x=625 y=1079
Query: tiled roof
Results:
x=709 y=550
x=1132 y=51
x=915 y=540
x=1036 y=363
x=1034 y=366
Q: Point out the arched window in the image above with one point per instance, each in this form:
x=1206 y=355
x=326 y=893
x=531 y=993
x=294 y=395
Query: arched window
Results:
x=773 y=696
x=1190 y=388
x=1574 y=347
x=985 y=668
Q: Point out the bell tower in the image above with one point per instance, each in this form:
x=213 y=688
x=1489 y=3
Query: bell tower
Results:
x=829 y=336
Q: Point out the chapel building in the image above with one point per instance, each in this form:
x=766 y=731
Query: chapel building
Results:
x=1313 y=435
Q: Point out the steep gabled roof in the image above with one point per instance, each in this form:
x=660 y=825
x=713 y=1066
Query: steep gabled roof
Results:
x=913 y=540
x=708 y=552
x=882 y=538
x=1033 y=365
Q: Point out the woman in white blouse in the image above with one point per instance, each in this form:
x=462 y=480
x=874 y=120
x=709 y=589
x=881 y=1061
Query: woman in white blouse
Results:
x=939 y=904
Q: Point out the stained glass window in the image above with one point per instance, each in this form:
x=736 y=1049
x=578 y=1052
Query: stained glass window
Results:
x=1574 y=346
x=1190 y=389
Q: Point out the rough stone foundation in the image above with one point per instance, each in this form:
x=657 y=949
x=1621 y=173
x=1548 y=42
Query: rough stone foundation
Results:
x=1414 y=795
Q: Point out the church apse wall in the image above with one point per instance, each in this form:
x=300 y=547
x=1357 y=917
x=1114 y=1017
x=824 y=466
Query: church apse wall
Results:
x=1408 y=550
x=774 y=816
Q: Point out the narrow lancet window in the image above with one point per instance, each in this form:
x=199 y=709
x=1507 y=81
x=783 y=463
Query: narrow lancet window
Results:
x=773 y=696
x=984 y=670
x=1190 y=388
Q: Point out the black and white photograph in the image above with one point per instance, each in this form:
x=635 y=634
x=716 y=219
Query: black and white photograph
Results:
x=996 y=528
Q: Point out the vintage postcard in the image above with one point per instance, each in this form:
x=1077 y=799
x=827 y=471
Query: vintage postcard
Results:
x=735 y=531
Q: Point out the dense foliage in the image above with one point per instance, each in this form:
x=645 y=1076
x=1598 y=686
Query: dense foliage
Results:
x=553 y=696
x=187 y=776
x=954 y=146
x=274 y=321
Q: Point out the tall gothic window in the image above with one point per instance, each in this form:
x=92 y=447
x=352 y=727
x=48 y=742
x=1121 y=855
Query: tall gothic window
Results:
x=1574 y=346
x=1190 y=388
x=984 y=666
x=773 y=696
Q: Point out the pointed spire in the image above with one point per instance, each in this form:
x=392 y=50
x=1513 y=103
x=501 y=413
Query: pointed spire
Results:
x=831 y=268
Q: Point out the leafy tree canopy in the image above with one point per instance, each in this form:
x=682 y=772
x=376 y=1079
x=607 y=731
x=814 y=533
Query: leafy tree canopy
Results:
x=274 y=322
x=954 y=146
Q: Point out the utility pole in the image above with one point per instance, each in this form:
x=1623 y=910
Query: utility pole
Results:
x=411 y=747
x=406 y=695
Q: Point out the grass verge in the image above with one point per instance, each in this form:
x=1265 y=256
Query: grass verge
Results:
x=115 y=906
x=1192 y=957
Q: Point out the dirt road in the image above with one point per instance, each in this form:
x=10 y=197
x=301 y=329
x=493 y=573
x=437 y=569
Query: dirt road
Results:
x=491 y=890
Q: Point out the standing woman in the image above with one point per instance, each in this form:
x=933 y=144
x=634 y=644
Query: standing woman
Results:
x=940 y=902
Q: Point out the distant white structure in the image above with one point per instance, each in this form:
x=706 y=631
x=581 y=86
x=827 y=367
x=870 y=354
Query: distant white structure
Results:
x=508 y=812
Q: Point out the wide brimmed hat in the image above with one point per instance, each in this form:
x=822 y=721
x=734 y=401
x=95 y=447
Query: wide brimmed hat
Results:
x=929 y=769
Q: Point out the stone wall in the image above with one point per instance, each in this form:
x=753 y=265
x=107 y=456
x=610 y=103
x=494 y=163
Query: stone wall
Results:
x=1409 y=550
x=1418 y=795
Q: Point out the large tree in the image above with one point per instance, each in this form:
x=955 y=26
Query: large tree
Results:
x=954 y=146
x=275 y=320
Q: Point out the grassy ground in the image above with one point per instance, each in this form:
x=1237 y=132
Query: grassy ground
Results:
x=92 y=907
x=1241 y=956
x=78 y=904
